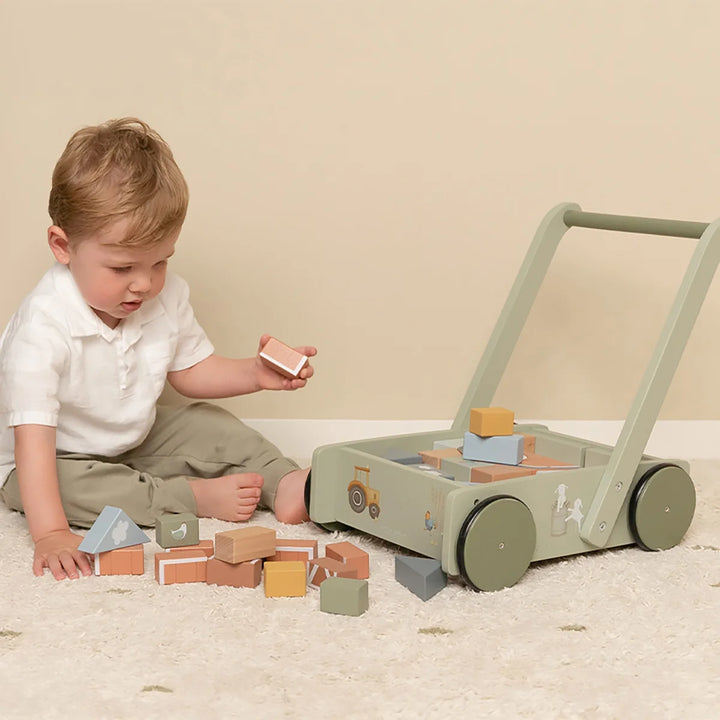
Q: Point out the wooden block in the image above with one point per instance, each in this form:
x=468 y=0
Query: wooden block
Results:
x=177 y=530
x=206 y=546
x=424 y=577
x=544 y=462
x=491 y=421
x=305 y=550
x=344 y=596
x=435 y=457
x=493 y=473
x=285 y=578
x=282 y=358
x=246 y=574
x=528 y=443
x=181 y=566
x=323 y=568
x=507 y=449
x=351 y=556
x=248 y=543
x=123 y=561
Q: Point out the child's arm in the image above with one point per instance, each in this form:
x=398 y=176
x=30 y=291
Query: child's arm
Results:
x=55 y=544
x=219 y=377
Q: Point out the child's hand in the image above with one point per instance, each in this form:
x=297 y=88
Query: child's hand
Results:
x=58 y=552
x=268 y=379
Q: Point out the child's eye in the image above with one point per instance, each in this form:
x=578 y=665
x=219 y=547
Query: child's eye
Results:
x=121 y=270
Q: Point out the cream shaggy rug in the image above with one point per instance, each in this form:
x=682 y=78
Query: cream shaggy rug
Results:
x=616 y=634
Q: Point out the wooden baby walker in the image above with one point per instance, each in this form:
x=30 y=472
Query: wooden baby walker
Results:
x=420 y=492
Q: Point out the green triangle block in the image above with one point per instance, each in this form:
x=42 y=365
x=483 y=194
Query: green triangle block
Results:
x=112 y=530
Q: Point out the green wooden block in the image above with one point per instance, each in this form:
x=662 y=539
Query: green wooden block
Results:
x=177 y=530
x=344 y=596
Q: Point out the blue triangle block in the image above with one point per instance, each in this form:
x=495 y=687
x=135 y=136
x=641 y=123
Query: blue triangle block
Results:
x=112 y=530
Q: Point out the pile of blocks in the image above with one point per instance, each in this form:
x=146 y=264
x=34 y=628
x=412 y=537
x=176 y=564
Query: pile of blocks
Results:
x=244 y=557
x=491 y=439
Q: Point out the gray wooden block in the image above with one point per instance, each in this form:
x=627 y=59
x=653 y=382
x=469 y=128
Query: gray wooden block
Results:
x=422 y=576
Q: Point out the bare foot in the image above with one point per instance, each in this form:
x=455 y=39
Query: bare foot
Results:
x=290 y=498
x=230 y=497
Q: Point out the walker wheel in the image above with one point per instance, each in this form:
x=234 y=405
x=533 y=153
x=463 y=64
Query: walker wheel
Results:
x=496 y=543
x=661 y=507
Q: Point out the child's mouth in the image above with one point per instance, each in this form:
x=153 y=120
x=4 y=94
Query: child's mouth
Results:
x=131 y=306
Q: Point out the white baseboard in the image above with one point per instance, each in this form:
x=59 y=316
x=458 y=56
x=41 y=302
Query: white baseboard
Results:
x=682 y=439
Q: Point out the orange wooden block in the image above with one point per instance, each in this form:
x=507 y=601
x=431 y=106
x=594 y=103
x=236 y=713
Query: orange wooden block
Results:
x=246 y=574
x=435 y=457
x=206 y=546
x=123 y=561
x=351 y=556
x=285 y=578
x=528 y=443
x=305 y=550
x=490 y=421
x=182 y=566
x=282 y=358
x=323 y=568
x=493 y=473
x=543 y=462
x=249 y=543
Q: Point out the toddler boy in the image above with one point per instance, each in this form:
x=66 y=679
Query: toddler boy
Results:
x=85 y=358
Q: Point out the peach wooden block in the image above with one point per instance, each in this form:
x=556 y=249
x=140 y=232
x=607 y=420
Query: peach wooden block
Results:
x=123 y=561
x=249 y=543
x=181 y=566
x=305 y=550
x=285 y=578
x=435 y=457
x=323 y=568
x=528 y=443
x=282 y=358
x=207 y=546
x=245 y=574
x=543 y=462
x=351 y=556
x=493 y=473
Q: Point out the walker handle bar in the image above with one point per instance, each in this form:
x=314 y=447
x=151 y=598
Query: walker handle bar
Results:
x=629 y=223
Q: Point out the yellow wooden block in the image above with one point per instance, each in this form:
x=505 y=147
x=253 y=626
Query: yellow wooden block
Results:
x=285 y=578
x=490 y=421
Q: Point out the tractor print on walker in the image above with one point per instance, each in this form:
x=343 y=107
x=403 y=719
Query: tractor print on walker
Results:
x=361 y=495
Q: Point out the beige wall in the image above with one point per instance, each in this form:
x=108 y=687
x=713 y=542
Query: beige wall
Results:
x=366 y=176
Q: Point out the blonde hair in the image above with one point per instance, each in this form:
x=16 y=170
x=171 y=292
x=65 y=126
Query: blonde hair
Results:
x=121 y=169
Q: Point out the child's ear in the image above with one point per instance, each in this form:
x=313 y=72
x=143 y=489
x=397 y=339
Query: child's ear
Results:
x=58 y=242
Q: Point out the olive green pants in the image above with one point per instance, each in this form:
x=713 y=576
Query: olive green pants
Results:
x=190 y=441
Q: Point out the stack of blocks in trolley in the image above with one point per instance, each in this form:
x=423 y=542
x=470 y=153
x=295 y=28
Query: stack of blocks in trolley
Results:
x=492 y=443
x=237 y=558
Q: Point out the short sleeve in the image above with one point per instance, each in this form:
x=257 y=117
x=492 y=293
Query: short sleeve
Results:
x=33 y=354
x=193 y=345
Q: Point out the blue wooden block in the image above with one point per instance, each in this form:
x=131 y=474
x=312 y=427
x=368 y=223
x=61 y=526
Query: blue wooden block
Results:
x=112 y=530
x=404 y=457
x=505 y=449
x=423 y=577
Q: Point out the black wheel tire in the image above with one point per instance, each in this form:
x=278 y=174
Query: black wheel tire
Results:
x=374 y=510
x=662 y=506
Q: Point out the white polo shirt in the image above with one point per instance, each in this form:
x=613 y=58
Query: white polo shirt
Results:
x=60 y=365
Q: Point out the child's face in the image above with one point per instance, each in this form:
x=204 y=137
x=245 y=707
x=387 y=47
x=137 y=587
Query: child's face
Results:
x=114 y=280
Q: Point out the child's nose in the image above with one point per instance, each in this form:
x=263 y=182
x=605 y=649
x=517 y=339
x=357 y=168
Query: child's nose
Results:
x=141 y=283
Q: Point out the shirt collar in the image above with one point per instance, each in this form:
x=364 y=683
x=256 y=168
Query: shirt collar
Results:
x=83 y=322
